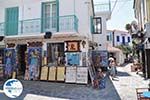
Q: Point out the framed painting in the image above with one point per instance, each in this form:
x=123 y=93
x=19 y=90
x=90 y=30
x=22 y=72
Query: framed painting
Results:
x=73 y=46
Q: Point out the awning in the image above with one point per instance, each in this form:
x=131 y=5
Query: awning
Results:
x=113 y=49
x=56 y=37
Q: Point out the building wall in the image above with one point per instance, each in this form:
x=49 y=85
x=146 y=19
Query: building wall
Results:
x=101 y=38
x=31 y=9
x=120 y=34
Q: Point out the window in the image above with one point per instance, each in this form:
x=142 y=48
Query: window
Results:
x=108 y=38
x=118 y=38
x=49 y=16
x=123 y=40
x=128 y=39
x=97 y=25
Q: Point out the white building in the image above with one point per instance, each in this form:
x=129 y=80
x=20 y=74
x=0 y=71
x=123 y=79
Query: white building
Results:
x=102 y=13
x=54 y=29
x=118 y=37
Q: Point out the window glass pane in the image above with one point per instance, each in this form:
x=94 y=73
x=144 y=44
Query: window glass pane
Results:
x=128 y=39
x=118 y=38
x=97 y=25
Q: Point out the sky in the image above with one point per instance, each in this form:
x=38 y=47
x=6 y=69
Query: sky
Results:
x=122 y=14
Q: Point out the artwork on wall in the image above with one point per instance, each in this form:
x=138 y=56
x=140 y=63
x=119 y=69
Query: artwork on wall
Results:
x=73 y=46
x=73 y=59
x=10 y=61
x=34 y=62
x=100 y=58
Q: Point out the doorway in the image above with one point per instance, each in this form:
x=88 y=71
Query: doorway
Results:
x=55 y=54
x=21 y=60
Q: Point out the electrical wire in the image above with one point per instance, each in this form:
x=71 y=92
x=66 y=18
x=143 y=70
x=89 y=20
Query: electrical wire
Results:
x=114 y=6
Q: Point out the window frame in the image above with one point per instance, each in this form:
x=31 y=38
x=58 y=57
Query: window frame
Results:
x=95 y=22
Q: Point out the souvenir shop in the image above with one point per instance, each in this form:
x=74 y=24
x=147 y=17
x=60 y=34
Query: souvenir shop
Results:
x=61 y=58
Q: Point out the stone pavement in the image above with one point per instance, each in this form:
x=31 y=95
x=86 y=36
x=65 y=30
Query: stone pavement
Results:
x=37 y=90
x=128 y=82
x=123 y=89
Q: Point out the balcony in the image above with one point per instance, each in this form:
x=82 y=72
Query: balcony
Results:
x=40 y=25
x=103 y=8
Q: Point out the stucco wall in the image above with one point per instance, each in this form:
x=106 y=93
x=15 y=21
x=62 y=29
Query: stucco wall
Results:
x=31 y=9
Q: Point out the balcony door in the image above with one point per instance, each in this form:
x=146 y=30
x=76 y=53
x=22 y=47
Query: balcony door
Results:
x=49 y=18
x=11 y=21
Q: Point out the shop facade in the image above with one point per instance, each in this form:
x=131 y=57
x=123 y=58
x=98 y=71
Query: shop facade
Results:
x=48 y=59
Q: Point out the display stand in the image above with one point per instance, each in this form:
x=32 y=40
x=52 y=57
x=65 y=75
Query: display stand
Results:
x=71 y=74
x=52 y=73
x=82 y=75
x=60 y=73
x=44 y=73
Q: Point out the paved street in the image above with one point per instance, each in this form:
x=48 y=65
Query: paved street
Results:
x=128 y=82
x=123 y=89
x=60 y=91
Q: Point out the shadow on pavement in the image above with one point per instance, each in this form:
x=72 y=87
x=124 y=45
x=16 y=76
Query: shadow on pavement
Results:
x=65 y=91
x=122 y=74
x=124 y=64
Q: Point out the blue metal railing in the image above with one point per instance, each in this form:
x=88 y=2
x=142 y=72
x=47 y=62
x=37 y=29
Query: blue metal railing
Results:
x=67 y=23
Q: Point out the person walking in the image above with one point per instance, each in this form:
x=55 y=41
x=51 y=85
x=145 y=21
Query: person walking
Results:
x=113 y=70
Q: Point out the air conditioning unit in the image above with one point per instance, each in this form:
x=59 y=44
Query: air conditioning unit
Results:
x=147 y=27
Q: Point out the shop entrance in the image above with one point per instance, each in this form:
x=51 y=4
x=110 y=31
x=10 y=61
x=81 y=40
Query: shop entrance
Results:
x=21 y=55
x=56 y=54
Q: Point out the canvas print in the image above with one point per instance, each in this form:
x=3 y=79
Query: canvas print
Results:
x=34 y=62
x=73 y=59
x=10 y=61
x=100 y=58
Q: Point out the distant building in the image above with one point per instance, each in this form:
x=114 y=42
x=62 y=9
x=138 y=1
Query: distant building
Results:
x=118 y=37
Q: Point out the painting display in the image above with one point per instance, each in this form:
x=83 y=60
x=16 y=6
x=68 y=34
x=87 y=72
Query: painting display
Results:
x=100 y=58
x=82 y=75
x=52 y=73
x=60 y=73
x=73 y=46
x=71 y=74
x=73 y=59
x=44 y=73
x=34 y=62
x=10 y=61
